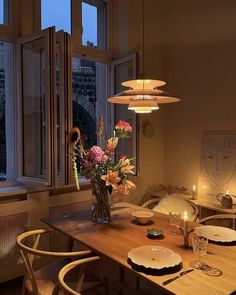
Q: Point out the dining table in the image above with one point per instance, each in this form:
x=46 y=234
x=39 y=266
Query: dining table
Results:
x=115 y=239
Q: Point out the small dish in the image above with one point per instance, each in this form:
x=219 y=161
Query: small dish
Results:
x=155 y=233
x=142 y=217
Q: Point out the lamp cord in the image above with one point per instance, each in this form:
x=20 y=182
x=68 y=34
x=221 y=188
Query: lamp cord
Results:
x=142 y=75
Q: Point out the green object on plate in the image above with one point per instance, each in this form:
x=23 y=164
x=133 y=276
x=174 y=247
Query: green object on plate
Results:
x=155 y=232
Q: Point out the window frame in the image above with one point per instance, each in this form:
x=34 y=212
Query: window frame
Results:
x=48 y=34
x=133 y=58
x=10 y=122
x=103 y=55
x=8 y=32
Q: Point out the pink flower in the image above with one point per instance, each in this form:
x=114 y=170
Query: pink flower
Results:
x=87 y=165
x=104 y=158
x=97 y=155
x=123 y=126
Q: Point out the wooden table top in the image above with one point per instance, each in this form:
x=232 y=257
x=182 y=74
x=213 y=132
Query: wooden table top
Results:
x=116 y=239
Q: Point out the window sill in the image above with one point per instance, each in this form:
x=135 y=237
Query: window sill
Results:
x=70 y=189
x=19 y=190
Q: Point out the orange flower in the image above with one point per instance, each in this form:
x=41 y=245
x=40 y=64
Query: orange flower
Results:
x=111 y=144
x=120 y=191
x=111 y=178
x=129 y=185
x=125 y=166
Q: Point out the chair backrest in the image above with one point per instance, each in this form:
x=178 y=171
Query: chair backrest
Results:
x=218 y=216
x=67 y=268
x=176 y=203
x=29 y=253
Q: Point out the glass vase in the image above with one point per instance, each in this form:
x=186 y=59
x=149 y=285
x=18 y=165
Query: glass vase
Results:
x=101 y=203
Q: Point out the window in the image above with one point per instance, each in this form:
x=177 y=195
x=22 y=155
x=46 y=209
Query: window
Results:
x=89 y=85
x=6 y=111
x=122 y=70
x=1 y=12
x=56 y=13
x=94 y=23
x=4 y=12
x=33 y=108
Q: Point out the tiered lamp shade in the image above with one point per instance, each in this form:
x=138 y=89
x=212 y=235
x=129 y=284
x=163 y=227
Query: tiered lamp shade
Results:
x=143 y=95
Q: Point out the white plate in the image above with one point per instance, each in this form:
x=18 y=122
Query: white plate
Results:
x=154 y=257
x=216 y=233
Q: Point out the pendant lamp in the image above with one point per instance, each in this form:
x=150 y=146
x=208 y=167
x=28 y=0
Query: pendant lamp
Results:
x=143 y=95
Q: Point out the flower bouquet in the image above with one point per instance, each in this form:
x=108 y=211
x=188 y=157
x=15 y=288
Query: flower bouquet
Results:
x=106 y=177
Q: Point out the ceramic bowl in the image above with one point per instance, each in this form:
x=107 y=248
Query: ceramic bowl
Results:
x=142 y=217
x=155 y=233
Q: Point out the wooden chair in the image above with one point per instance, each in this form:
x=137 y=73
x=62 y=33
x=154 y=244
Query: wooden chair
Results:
x=173 y=202
x=45 y=280
x=81 y=284
x=217 y=217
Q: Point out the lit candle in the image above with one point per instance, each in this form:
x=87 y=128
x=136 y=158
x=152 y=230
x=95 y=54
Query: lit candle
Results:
x=114 y=133
x=185 y=224
x=227 y=192
x=194 y=192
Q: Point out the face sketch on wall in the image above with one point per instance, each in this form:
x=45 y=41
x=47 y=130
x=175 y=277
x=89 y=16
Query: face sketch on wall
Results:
x=218 y=163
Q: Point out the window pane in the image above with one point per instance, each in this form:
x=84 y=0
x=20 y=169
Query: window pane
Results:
x=34 y=121
x=58 y=93
x=123 y=72
x=88 y=84
x=1 y=11
x=5 y=104
x=94 y=23
x=56 y=13
x=4 y=12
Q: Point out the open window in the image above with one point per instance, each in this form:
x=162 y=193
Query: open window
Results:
x=43 y=93
x=122 y=70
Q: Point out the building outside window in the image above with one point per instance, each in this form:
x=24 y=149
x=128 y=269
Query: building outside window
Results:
x=89 y=88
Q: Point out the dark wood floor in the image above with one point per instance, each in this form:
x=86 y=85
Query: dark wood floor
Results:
x=12 y=287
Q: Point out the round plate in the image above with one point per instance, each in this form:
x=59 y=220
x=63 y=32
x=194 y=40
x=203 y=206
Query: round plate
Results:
x=216 y=233
x=154 y=257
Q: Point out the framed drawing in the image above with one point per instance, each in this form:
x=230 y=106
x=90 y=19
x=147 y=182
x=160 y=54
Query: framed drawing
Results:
x=217 y=164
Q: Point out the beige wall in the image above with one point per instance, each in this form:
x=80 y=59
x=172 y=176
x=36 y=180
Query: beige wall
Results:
x=199 y=48
x=192 y=46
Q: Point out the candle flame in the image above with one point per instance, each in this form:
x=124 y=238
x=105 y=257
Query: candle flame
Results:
x=185 y=215
x=194 y=187
x=227 y=192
